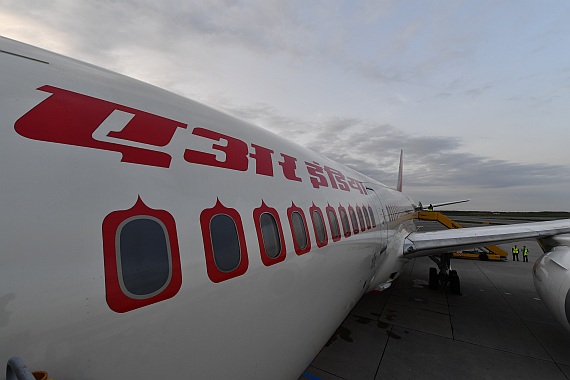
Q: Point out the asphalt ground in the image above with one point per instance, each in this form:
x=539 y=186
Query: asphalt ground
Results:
x=497 y=329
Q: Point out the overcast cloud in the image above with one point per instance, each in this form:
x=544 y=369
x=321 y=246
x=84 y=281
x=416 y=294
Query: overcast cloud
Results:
x=476 y=93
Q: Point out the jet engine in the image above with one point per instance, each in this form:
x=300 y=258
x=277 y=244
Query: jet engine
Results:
x=552 y=282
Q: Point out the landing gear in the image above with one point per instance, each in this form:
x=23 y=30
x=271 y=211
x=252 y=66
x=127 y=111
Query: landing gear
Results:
x=433 y=278
x=445 y=276
x=454 y=285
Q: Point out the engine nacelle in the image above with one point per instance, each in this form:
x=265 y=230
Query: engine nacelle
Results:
x=552 y=282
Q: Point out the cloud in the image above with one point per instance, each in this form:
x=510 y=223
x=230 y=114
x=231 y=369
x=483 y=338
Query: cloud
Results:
x=329 y=64
x=478 y=91
x=315 y=34
x=436 y=167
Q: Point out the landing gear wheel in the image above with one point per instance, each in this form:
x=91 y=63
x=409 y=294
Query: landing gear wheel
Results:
x=433 y=278
x=454 y=285
x=445 y=276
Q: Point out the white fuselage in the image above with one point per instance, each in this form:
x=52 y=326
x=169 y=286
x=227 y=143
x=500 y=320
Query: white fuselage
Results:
x=80 y=146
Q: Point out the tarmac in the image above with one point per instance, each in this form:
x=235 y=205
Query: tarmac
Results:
x=497 y=329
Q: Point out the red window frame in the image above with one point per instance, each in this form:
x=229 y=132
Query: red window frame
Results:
x=206 y=216
x=290 y=212
x=366 y=217
x=355 y=227
x=372 y=217
x=360 y=217
x=257 y=213
x=312 y=209
x=349 y=232
x=338 y=222
x=118 y=300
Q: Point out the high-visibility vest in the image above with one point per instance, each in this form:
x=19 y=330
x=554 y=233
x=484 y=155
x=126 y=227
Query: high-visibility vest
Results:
x=525 y=251
x=515 y=250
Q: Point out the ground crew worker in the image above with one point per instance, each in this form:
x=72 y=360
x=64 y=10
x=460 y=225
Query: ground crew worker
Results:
x=515 y=251
x=430 y=207
x=525 y=253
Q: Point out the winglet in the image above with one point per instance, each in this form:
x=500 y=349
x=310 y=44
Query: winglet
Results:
x=400 y=171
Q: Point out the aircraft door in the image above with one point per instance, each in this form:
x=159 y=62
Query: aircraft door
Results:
x=382 y=220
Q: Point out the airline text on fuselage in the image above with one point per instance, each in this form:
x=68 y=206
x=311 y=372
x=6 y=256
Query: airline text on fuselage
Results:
x=71 y=118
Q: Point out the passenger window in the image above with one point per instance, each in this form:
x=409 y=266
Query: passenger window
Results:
x=269 y=234
x=224 y=243
x=333 y=222
x=353 y=220
x=360 y=218
x=300 y=231
x=366 y=217
x=344 y=220
x=319 y=226
x=372 y=217
x=298 y=225
x=145 y=257
x=141 y=257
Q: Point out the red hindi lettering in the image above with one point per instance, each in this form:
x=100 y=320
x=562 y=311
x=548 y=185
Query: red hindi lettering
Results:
x=357 y=185
x=316 y=172
x=337 y=179
x=289 y=165
x=67 y=117
x=236 y=151
x=263 y=161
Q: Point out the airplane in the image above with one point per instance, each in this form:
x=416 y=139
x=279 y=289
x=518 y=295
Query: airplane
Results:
x=146 y=235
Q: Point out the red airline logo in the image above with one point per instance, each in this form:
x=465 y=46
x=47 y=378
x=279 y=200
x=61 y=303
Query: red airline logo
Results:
x=70 y=118
x=67 y=117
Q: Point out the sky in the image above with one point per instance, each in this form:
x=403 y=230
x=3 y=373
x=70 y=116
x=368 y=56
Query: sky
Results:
x=476 y=93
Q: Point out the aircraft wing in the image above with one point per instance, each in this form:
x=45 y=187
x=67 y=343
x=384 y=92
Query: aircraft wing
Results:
x=419 y=244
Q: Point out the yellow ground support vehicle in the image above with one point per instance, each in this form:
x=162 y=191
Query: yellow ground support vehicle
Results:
x=491 y=252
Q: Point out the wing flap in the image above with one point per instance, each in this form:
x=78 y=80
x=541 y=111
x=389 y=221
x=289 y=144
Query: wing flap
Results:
x=429 y=243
